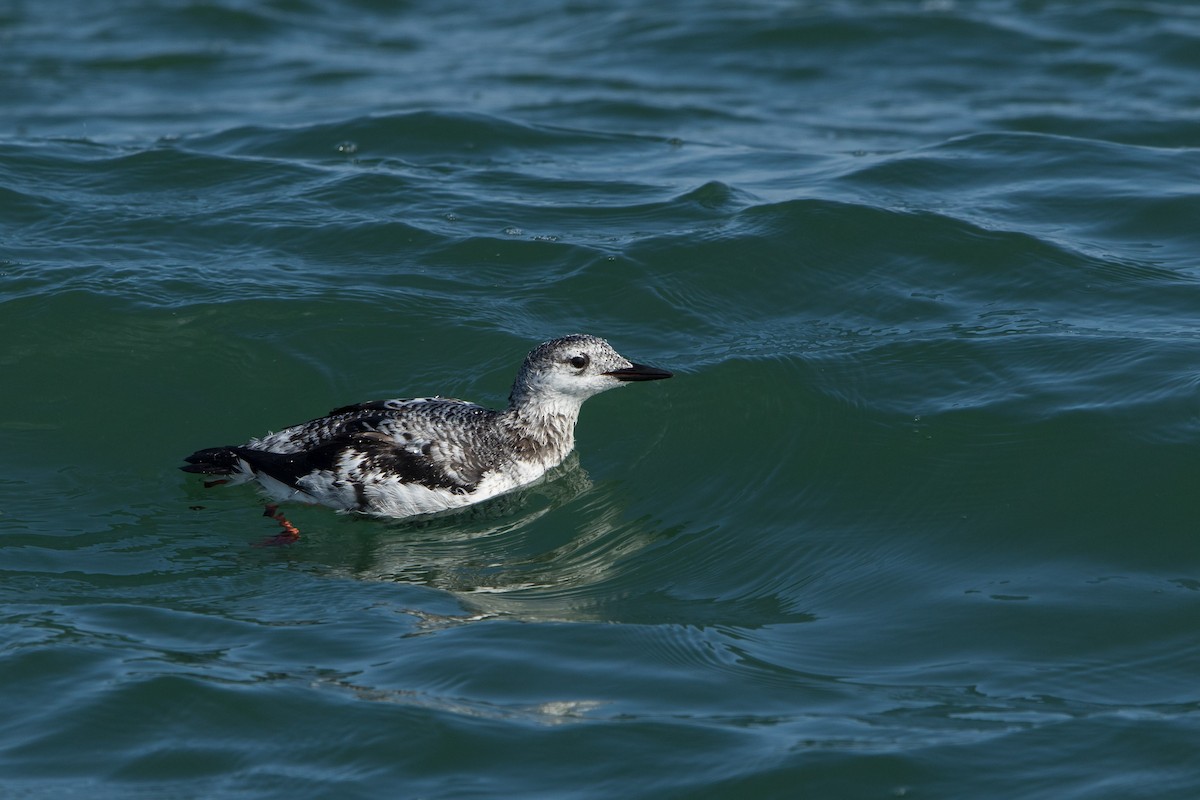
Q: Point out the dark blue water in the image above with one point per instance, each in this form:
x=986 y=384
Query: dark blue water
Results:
x=916 y=517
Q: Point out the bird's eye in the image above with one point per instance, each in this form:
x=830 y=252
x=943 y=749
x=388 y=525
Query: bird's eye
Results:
x=579 y=362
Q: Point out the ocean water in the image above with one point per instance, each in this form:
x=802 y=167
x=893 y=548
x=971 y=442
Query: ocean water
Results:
x=917 y=516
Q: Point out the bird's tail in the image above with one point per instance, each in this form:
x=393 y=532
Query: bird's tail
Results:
x=217 y=461
x=213 y=461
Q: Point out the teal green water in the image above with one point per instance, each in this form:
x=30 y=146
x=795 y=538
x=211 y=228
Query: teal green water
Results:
x=916 y=517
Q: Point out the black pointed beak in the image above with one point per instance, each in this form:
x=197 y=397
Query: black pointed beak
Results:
x=639 y=372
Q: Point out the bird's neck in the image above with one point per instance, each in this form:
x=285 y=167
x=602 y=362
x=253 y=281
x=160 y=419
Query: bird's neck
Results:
x=544 y=431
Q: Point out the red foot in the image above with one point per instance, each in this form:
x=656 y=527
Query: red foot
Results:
x=290 y=533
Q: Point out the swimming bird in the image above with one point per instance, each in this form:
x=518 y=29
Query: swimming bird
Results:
x=402 y=458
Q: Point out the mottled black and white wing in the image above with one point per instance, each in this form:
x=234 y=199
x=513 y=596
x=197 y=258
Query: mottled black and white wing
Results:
x=437 y=444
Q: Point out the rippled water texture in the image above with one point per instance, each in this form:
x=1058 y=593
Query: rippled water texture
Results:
x=917 y=515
